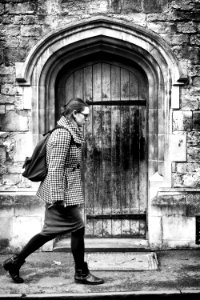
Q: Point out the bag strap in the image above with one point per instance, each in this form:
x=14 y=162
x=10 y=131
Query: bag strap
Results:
x=57 y=127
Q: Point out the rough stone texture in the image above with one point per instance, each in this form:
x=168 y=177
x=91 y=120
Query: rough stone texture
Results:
x=24 y=23
x=21 y=216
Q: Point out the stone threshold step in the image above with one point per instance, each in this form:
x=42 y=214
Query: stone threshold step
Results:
x=122 y=261
x=105 y=244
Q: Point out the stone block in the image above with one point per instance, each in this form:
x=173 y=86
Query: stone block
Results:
x=24 y=228
x=23 y=146
x=155 y=231
x=6 y=70
x=29 y=31
x=195 y=40
x=177 y=180
x=170 y=203
x=15 y=121
x=194 y=71
x=14 y=168
x=184 y=168
x=193 y=153
x=48 y=246
x=15 y=8
x=2 y=109
x=2 y=155
x=3 y=170
x=4 y=99
x=11 y=30
x=8 y=89
x=1 y=8
x=196 y=81
x=11 y=179
x=178 y=229
x=10 y=107
x=154 y=6
x=4 y=245
x=182 y=120
x=178 y=147
x=28 y=205
x=176 y=39
x=193 y=139
x=192 y=204
x=190 y=103
x=131 y=6
x=6 y=227
x=187 y=27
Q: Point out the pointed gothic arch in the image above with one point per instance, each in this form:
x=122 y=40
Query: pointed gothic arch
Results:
x=139 y=46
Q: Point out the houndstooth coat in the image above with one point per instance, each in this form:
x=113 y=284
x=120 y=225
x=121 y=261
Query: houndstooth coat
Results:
x=63 y=180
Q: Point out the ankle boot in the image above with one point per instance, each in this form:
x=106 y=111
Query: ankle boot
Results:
x=12 y=265
x=84 y=276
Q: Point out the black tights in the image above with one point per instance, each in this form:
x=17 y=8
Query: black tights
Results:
x=77 y=246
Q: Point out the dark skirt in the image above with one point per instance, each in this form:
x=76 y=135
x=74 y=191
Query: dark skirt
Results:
x=59 y=220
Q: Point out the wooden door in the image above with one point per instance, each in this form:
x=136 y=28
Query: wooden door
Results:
x=115 y=155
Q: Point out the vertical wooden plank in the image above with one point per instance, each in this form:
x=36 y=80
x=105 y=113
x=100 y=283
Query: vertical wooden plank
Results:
x=87 y=84
x=69 y=88
x=89 y=228
x=142 y=158
x=116 y=228
x=134 y=93
x=106 y=159
x=97 y=82
x=97 y=159
x=88 y=161
x=134 y=161
x=115 y=159
x=78 y=83
x=107 y=228
x=134 y=227
x=125 y=228
x=142 y=88
x=125 y=156
x=115 y=83
x=125 y=82
x=105 y=81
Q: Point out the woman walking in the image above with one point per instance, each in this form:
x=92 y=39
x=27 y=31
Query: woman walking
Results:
x=62 y=192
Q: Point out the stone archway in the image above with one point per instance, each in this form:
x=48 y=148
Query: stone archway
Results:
x=39 y=73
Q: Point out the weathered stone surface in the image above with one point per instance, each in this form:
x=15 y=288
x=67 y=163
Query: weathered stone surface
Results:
x=131 y=6
x=31 y=31
x=188 y=27
x=193 y=139
x=183 y=168
x=27 y=7
x=178 y=229
x=2 y=109
x=15 y=121
x=24 y=23
x=182 y=120
x=196 y=81
x=2 y=155
x=196 y=120
x=8 y=89
x=10 y=180
x=23 y=229
x=193 y=154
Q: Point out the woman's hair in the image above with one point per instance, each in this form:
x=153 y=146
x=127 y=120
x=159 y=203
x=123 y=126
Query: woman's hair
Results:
x=74 y=104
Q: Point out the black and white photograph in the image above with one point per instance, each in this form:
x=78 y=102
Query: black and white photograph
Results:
x=99 y=149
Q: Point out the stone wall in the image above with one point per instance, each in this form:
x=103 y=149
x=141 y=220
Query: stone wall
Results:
x=24 y=23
